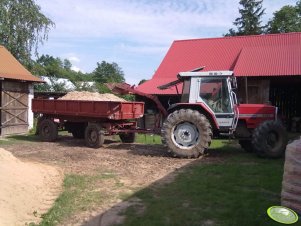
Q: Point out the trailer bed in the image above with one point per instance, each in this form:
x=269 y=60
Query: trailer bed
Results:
x=112 y=110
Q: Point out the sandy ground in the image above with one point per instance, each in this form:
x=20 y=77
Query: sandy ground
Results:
x=27 y=189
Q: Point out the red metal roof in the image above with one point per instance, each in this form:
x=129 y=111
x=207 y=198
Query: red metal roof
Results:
x=256 y=55
x=269 y=61
x=10 y=68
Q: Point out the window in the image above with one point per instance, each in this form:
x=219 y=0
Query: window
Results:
x=215 y=93
x=186 y=91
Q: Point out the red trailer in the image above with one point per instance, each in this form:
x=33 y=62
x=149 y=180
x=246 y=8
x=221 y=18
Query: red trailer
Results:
x=91 y=120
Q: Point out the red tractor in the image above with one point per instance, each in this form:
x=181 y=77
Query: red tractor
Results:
x=209 y=109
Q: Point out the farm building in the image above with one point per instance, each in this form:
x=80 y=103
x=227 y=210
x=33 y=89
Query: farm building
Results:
x=267 y=67
x=16 y=92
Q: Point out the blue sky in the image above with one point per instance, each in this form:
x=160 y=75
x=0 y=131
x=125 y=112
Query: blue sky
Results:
x=135 y=34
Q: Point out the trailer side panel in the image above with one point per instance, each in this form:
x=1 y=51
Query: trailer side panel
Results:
x=94 y=109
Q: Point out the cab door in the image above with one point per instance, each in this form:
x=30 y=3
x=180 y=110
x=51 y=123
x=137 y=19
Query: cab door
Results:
x=216 y=94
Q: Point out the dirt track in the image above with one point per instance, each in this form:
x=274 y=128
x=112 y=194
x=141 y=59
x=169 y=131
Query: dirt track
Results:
x=136 y=165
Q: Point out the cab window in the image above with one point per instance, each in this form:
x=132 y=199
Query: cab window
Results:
x=215 y=94
x=186 y=91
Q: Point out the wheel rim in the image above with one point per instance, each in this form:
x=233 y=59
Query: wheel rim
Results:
x=93 y=136
x=185 y=135
x=46 y=131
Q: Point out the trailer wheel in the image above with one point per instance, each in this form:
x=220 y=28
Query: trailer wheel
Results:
x=187 y=133
x=47 y=130
x=127 y=137
x=94 y=136
x=246 y=145
x=270 y=139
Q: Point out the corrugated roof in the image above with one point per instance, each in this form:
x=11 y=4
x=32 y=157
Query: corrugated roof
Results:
x=10 y=68
x=256 y=55
x=269 y=61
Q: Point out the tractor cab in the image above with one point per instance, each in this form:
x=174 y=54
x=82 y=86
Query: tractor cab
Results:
x=215 y=89
x=213 y=92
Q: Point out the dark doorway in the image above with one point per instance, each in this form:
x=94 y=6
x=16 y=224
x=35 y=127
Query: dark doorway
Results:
x=285 y=93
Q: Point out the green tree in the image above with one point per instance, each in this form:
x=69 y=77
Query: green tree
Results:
x=106 y=72
x=287 y=19
x=22 y=28
x=85 y=86
x=67 y=64
x=53 y=86
x=42 y=87
x=51 y=67
x=55 y=68
x=250 y=21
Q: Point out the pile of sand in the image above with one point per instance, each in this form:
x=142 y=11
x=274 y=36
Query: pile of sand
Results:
x=84 y=95
x=27 y=189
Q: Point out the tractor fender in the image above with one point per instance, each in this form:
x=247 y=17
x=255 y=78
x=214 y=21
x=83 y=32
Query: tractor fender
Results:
x=201 y=107
x=255 y=114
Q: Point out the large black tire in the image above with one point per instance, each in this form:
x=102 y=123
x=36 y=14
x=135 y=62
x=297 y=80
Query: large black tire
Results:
x=47 y=130
x=127 y=137
x=269 y=139
x=187 y=133
x=246 y=145
x=94 y=136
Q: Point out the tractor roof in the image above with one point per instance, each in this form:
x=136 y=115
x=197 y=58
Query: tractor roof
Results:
x=206 y=73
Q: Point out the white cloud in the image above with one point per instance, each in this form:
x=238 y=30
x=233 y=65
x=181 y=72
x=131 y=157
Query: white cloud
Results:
x=143 y=21
x=75 y=68
x=140 y=21
x=88 y=31
x=74 y=59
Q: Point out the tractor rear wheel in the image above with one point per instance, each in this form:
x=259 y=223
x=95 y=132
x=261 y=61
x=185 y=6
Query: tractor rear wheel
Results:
x=94 y=136
x=246 y=145
x=270 y=139
x=187 y=133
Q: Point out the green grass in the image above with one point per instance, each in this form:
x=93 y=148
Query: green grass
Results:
x=236 y=191
x=148 y=139
x=143 y=138
x=80 y=193
x=18 y=138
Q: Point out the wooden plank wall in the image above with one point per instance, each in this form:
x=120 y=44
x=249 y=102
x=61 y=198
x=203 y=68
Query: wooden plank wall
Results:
x=258 y=90
x=14 y=107
x=285 y=93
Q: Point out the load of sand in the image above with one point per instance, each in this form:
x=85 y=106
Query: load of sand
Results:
x=84 y=95
x=27 y=189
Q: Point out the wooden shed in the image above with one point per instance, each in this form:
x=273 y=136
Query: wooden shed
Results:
x=16 y=92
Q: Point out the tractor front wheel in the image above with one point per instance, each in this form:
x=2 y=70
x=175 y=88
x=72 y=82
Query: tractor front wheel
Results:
x=187 y=133
x=270 y=139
